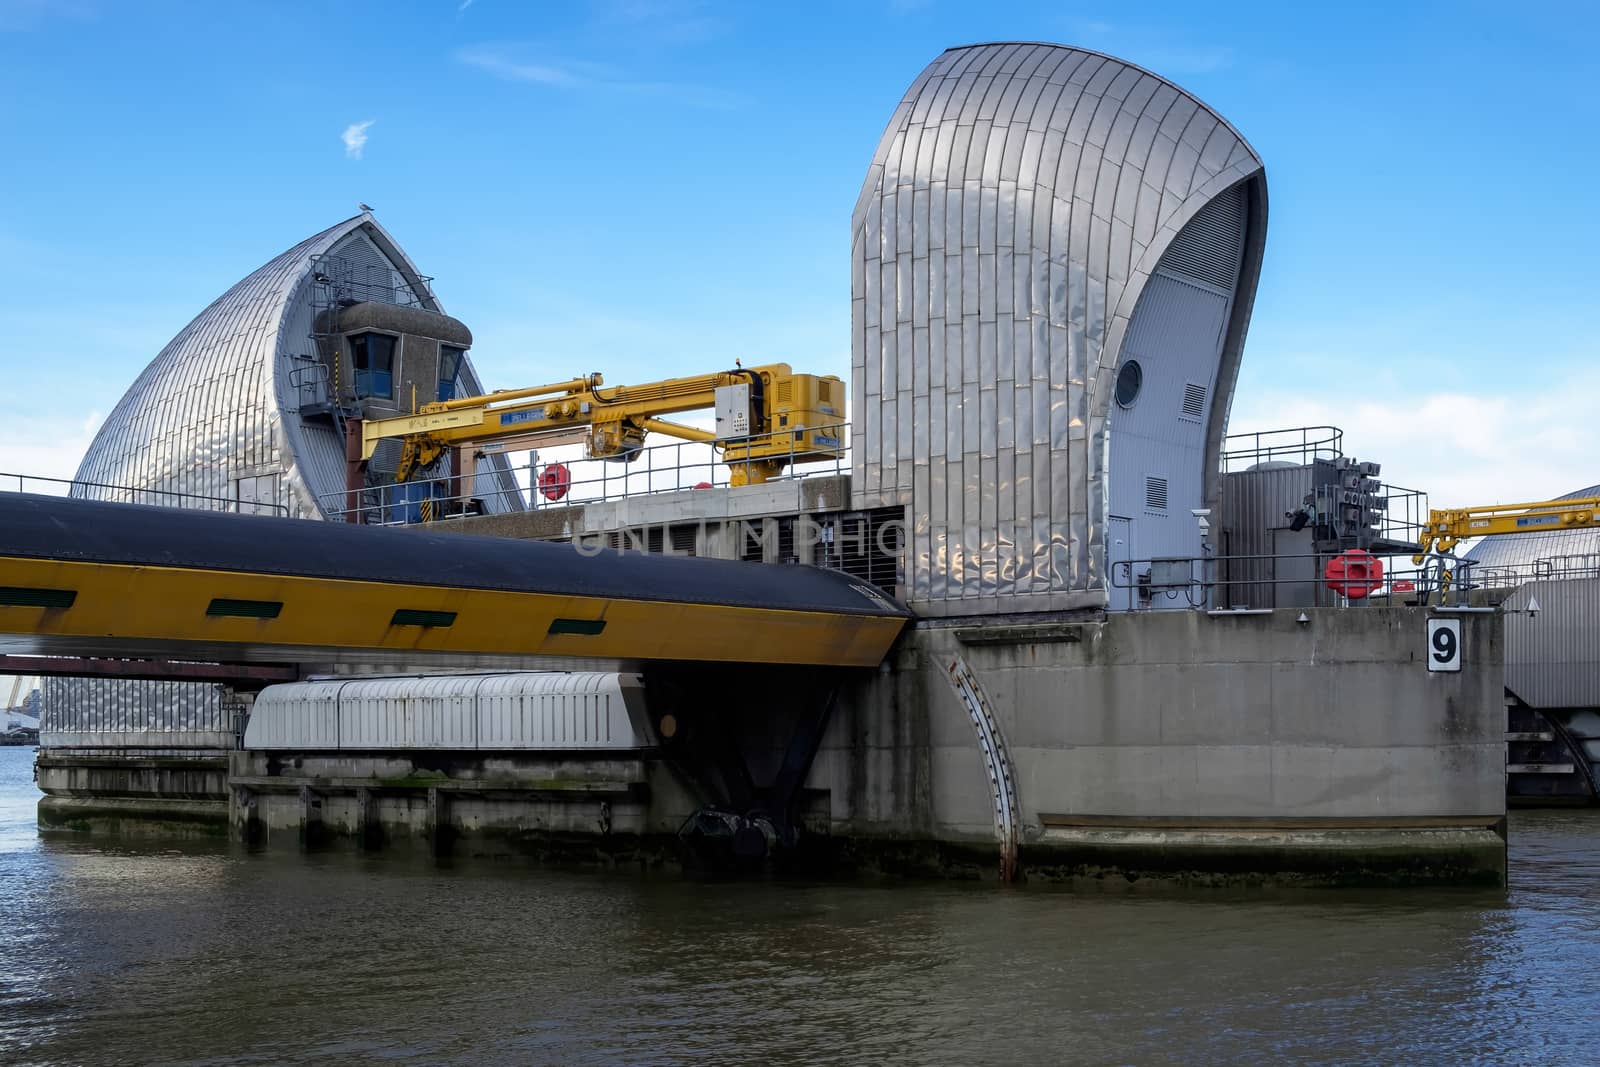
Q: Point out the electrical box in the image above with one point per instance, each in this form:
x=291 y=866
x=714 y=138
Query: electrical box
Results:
x=805 y=421
x=1171 y=573
x=733 y=411
x=808 y=414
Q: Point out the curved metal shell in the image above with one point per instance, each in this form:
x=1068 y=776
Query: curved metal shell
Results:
x=216 y=414
x=1018 y=206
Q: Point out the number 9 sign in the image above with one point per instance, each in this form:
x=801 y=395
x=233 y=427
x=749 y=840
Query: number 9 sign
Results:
x=1444 y=644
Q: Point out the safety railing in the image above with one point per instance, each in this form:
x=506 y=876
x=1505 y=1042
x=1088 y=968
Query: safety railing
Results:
x=1273 y=580
x=132 y=494
x=1549 y=568
x=561 y=476
x=1405 y=511
x=1298 y=445
x=345 y=278
x=1405 y=514
x=310 y=382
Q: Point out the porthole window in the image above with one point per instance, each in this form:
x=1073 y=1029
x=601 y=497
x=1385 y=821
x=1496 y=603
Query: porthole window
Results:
x=1129 y=379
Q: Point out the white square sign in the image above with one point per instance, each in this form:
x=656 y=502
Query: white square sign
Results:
x=1444 y=644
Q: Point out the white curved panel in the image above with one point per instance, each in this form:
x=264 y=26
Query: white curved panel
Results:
x=524 y=711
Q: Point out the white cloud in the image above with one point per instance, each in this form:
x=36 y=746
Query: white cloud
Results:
x=505 y=63
x=44 y=448
x=1462 y=448
x=464 y=5
x=495 y=62
x=355 y=138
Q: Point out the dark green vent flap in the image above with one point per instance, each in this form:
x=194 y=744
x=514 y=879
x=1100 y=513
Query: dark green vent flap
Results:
x=579 y=627
x=12 y=596
x=412 y=617
x=245 y=609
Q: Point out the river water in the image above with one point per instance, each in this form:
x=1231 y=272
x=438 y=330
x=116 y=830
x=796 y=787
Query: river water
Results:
x=208 y=955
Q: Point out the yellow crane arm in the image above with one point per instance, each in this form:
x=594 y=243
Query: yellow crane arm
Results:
x=783 y=418
x=679 y=430
x=578 y=402
x=1448 y=526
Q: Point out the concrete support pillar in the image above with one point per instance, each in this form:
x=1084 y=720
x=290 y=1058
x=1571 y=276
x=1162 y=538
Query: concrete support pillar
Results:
x=311 y=835
x=355 y=469
x=237 y=704
x=369 y=832
x=243 y=816
x=440 y=832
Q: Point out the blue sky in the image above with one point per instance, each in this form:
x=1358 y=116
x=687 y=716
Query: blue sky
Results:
x=647 y=187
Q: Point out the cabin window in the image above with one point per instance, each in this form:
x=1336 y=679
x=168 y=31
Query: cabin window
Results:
x=450 y=359
x=372 y=357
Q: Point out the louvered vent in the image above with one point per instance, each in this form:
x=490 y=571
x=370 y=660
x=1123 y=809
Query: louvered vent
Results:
x=1194 y=401
x=753 y=550
x=366 y=274
x=682 y=540
x=1207 y=249
x=1155 y=493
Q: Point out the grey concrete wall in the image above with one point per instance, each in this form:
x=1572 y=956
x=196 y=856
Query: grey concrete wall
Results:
x=156 y=795
x=487 y=799
x=708 y=507
x=1178 y=714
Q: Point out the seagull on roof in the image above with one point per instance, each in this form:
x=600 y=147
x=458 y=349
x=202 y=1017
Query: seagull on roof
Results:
x=366 y=207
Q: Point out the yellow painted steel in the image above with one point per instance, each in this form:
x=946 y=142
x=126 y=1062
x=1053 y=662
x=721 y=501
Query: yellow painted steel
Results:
x=798 y=417
x=1449 y=526
x=170 y=604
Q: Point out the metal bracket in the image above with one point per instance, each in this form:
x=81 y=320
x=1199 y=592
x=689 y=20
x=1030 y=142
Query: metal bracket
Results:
x=996 y=761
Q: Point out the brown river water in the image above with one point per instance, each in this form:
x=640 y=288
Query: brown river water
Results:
x=149 y=953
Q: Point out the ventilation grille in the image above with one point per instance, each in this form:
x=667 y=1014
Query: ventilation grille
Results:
x=1207 y=249
x=1194 y=401
x=1155 y=493
x=683 y=538
x=867 y=545
x=753 y=549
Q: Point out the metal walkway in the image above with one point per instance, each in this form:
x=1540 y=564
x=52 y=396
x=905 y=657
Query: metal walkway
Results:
x=85 y=578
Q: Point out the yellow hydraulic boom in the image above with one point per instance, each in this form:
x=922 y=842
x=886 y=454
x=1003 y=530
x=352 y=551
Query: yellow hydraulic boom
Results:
x=1448 y=526
x=767 y=417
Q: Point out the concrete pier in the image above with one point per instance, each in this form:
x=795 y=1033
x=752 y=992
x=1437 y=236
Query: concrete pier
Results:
x=1179 y=747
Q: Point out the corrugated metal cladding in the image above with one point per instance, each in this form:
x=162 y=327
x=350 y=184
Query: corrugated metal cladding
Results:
x=1553 y=658
x=519 y=711
x=108 y=713
x=1266 y=564
x=216 y=414
x=1012 y=221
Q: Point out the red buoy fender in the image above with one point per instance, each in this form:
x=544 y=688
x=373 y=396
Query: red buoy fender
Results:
x=1354 y=573
x=554 y=481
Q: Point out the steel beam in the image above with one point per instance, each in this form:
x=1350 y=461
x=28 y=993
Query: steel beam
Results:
x=161 y=670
